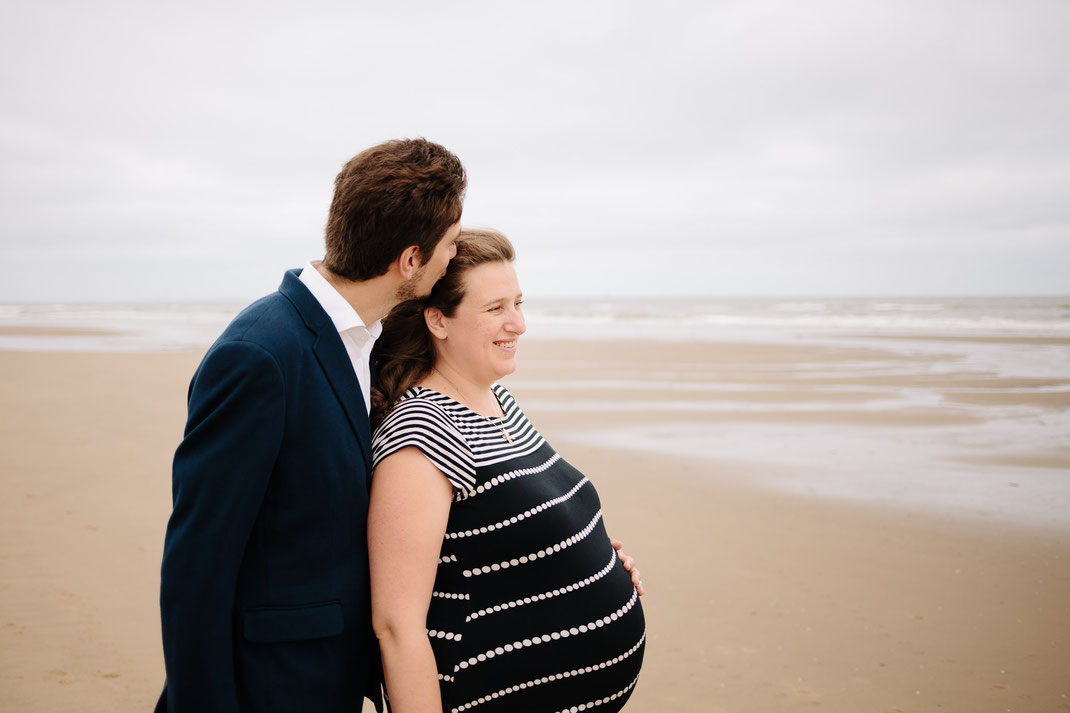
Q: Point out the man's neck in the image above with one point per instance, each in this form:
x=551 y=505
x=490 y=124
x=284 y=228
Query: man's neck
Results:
x=372 y=299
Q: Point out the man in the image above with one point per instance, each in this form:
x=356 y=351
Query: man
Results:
x=264 y=596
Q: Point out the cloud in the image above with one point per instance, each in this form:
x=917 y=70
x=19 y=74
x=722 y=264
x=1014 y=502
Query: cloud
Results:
x=870 y=136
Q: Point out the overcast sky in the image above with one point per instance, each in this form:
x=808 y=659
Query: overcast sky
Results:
x=163 y=151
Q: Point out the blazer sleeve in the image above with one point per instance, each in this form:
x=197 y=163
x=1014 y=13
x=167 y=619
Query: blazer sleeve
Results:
x=220 y=474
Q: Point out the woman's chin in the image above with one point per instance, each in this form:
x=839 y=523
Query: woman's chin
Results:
x=507 y=368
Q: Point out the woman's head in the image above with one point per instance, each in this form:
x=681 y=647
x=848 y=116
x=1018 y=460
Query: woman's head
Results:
x=406 y=351
x=475 y=247
x=476 y=339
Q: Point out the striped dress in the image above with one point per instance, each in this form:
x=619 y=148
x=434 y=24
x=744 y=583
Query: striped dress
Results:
x=532 y=611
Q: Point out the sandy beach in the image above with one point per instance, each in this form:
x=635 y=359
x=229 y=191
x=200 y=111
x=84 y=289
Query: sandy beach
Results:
x=764 y=592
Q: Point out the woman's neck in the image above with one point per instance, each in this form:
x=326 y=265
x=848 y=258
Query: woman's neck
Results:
x=476 y=396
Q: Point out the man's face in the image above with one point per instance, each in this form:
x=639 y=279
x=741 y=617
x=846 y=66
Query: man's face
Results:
x=432 y=270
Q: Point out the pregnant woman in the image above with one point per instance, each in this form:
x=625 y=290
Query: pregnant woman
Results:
x=494 y=584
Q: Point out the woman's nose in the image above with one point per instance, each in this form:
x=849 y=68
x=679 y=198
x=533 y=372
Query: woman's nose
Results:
x=517 y=321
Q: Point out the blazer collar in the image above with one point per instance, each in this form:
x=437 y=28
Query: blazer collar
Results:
x=333 y=359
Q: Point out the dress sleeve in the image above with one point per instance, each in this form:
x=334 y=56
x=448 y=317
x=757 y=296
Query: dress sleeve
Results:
x=420 y=423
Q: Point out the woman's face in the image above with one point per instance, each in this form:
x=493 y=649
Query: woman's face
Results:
x=480 y=339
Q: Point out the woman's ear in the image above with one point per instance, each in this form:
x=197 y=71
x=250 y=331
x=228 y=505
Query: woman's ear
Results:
x=436 y=322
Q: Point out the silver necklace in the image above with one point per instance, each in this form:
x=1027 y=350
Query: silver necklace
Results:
x=498 y=423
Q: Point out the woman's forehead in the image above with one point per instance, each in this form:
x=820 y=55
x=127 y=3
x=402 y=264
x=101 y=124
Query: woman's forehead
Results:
x=492 y=280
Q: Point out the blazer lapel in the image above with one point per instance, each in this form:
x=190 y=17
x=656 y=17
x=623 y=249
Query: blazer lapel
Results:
x=333 y=358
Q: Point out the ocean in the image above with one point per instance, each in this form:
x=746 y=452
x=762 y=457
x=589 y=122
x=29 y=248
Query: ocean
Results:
x=152 y=326
x=966 y=413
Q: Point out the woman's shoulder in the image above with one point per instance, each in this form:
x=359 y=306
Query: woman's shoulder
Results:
x=418 y=405
x=418 y=398
x=421 y=419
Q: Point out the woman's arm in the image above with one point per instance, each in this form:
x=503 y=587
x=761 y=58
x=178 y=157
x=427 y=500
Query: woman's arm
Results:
x=407 y=514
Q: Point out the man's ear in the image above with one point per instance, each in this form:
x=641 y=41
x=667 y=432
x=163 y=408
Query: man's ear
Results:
x=436 y=323
x=408 y=261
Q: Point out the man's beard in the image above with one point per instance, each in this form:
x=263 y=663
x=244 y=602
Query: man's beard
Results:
x=407 y=291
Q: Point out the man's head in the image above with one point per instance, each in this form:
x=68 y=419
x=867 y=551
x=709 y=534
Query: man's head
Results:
x=390 y=197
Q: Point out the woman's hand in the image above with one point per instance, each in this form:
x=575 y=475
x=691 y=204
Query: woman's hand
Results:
x=629 y=566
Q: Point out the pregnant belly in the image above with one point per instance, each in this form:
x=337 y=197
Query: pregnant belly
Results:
x=577 y=642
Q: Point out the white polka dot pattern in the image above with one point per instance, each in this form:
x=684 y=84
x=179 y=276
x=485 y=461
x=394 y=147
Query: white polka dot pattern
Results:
x=538 y=554
x=518 y=473
x=448 y=635
x=546 y=595
x=518 y=517
x=552 y=677
x=600 y=701
x=449 y=595
x=552 y=636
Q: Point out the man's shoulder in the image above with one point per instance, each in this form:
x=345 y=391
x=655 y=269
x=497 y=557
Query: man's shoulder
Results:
x=272 y=323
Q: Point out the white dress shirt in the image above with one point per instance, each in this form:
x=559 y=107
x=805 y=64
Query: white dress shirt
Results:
x=357 y=338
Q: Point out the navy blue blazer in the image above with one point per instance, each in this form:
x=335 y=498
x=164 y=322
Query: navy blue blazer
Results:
x=264 y=595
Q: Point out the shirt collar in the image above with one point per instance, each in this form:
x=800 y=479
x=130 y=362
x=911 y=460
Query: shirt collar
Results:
x=342 y=314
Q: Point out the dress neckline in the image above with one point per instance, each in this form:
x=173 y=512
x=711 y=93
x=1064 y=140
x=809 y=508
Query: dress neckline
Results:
x=493 y=390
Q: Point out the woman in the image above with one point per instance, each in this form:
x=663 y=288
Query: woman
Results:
x=494 y=584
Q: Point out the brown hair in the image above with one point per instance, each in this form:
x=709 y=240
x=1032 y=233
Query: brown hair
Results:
x=387 y=198
x=405 y=352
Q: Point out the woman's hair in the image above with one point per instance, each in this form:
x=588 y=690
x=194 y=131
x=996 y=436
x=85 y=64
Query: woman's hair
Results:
x=405 y=351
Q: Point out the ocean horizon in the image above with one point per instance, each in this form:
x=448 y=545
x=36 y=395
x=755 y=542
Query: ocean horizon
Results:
x=958 y=404
x=140 y=326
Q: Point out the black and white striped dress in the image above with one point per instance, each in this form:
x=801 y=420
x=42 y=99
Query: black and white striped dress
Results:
x=532 y=611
